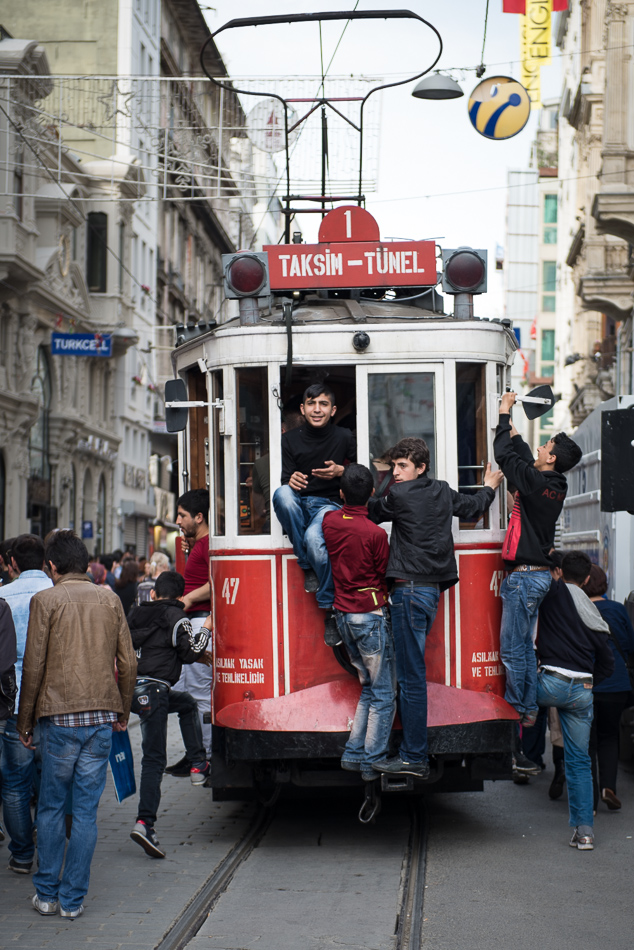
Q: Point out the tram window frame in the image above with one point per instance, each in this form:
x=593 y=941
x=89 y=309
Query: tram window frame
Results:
x=251 y=522
x=217 y=463
x=471 y=408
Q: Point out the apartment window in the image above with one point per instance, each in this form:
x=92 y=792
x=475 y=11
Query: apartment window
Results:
x=97 y=252
x=548 y=353
x=18 y=188
x=549 y=285
x=550 y=219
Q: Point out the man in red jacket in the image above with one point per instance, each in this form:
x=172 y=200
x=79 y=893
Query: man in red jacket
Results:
x=359 y=552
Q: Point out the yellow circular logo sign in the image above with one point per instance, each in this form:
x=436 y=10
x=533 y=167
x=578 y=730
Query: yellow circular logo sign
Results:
x=499 y=107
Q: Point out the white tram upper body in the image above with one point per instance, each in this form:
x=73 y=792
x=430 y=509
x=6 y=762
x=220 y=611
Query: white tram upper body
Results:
x=282 y=702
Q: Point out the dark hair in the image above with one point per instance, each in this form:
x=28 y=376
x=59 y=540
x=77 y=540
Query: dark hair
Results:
x=598 y=583
x=169 y=585
x=195 y=502
x=416 y=450
x=5 y=550
x=567 y=453
x=117 y=554
x=576 y=566
x=129 y=574
x=556 y=557
x=356 y=484
x=67 y=552
x=316 y=389
x=107 y=560
x=28 y=551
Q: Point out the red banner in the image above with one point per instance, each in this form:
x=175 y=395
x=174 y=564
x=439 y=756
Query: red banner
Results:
x=519 y=6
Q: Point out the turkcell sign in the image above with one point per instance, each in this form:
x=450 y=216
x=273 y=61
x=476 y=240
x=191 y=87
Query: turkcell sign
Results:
x=352 y=264
x=81 y=344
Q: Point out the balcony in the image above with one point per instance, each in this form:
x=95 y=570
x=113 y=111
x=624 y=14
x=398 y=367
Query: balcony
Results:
x=614 y=214
x=607 y=287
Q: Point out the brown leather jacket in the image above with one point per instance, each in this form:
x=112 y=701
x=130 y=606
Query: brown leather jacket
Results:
x=76 y=630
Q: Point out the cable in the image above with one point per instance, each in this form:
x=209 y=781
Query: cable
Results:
x=481 y=69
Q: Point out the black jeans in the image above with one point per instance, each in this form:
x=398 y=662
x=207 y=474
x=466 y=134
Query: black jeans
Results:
x=604 y=740
x=153 y=702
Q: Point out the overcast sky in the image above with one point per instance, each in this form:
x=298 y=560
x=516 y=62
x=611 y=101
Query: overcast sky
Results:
x=429 y=151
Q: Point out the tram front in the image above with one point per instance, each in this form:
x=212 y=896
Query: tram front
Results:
x=282 y=701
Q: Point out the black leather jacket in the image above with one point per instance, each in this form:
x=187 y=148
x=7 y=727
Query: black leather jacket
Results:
x=421 y=512
x=8 y=656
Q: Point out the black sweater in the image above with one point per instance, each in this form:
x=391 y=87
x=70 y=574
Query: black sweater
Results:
x=163 y=638
x=530 y=535
x=564 y=640
x=421 y=511
x=307 y=448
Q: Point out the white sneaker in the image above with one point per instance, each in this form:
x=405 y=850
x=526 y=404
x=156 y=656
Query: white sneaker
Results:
x=45 y=908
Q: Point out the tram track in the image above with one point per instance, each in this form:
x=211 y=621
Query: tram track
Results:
x=408 y=929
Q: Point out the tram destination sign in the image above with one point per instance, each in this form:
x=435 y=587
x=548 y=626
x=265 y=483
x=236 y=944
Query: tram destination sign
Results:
x=352 y=264
x=81 y=344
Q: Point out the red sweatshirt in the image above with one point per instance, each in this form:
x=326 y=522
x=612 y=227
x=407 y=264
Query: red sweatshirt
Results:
x=359 y=552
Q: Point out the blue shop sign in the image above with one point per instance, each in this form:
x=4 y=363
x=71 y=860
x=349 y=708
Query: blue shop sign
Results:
x=86 y=529
x=81 y=344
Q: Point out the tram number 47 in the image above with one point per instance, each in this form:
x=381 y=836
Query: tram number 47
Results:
x=230 y=589
x=496 y=580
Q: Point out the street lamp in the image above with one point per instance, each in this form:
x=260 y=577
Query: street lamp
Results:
x=437 y=86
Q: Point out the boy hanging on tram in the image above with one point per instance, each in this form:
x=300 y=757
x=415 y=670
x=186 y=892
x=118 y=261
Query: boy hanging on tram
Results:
x=422 y=564
x=313 y=458
x=359 y=554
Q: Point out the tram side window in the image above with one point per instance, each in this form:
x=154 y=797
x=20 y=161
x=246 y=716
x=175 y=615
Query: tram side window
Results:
x=471 y=432
x=218 y=457
x=254 y=480
x=400 y=405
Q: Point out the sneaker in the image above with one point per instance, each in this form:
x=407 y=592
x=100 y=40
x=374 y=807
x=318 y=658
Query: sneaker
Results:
x=332 y=637
x=45 y=908
x=369 y=775
x=146 y=836
x=311 y=581
x=556 y=789
x=180 y=768
x=399 y=766
x=350 y=765
x=584 y=842
x=73 y=914
x=524 y=766
x=200 y=774
x=19 y=867
x=610 y=799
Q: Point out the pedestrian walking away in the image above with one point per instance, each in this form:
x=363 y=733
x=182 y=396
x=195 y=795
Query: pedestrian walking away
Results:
x=574 y=654
x=541 y=488
x=313 y=460
x=163 y=638
x=359 y=553
x=17 y=763
x=422 y=564
x=76 y=633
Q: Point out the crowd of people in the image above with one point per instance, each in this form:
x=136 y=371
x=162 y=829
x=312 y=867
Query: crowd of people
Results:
x=82 y=644
x=85 y=642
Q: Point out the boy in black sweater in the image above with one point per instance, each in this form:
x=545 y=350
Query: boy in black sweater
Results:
x=530 y=536
x=313 y=458
x=163 y=639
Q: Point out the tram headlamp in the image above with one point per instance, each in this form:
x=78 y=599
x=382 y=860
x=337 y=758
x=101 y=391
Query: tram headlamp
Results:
x=246 y=274
x=361 y=341
x=464 y=271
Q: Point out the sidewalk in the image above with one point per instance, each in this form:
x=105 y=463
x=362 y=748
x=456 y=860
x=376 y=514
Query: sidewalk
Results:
x=133 y=899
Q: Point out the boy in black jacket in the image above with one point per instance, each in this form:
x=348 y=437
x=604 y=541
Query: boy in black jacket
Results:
x=163 y=639
x=530 y=536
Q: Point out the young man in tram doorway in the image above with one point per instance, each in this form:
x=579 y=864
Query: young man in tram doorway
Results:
x=359 y=552
x=530 y=537
x=313 y=458
x=192 y=518
x=422 y=564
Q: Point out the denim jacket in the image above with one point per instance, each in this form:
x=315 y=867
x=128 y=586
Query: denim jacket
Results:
x=18 y=596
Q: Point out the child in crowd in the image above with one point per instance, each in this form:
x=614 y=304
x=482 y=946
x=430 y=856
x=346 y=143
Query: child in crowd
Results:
x=359 y=553
x=163 y=639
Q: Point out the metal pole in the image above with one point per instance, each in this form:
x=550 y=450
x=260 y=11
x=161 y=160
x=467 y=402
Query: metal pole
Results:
x=463 y=307
x=249 y=311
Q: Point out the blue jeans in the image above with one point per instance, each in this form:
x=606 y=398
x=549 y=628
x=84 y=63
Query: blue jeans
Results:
x=413 y=612
x=574 y=702
x=18 y=782
x=301 y=518
x=368 y=640
x=522 y=592
x=72 y=758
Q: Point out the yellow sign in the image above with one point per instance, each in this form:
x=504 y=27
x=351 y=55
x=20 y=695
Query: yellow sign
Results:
x=499 y=107
x=535 y=46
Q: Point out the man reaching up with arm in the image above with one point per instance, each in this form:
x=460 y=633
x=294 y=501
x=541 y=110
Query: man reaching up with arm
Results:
x=530 y=536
